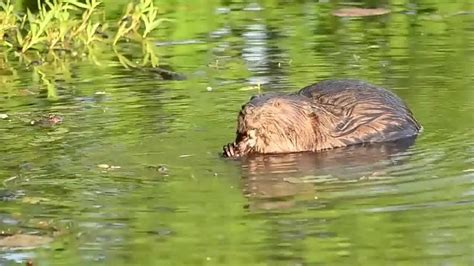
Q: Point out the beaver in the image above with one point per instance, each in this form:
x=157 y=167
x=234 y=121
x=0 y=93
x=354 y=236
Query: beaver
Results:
x=325 y=115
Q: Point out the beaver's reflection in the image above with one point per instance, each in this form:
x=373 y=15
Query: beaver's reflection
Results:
x=273 y=181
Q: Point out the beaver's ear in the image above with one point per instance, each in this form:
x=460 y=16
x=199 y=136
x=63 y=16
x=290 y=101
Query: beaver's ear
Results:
x=254 y=97
x=276 y=103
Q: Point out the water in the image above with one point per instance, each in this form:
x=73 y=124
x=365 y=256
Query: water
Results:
x=166 y=197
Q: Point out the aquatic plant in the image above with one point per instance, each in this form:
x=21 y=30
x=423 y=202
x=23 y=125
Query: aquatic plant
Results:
x=74 y=28
x=141 y=15
x=71 y=25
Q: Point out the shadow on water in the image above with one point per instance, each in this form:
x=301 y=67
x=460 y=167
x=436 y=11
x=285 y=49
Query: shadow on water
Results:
x=272 y=181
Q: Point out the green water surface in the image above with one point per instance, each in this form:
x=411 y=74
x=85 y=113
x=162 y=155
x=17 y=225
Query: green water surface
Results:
x=168 y=198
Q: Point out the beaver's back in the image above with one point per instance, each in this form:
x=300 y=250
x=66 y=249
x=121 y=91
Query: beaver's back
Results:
x=351 y=112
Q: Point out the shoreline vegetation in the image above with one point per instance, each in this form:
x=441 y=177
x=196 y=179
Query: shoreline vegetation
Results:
x=74 y=30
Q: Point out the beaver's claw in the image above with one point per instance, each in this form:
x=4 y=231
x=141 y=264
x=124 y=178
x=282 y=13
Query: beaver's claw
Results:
x=230 y=150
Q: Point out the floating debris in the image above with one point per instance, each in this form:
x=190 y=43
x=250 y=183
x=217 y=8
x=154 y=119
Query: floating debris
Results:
x=166 y=74
x=6 y=195
x=106 y=166
x=162 y=169
x=3 y=116
x=34 y=200
x=360 y=12
x=209 y=88
x=9 y=179
x=24 y=241
x=47 y=121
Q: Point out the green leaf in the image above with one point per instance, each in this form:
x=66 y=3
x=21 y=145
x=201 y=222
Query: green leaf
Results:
x=77 y=3
x=31 y=17
x=154 y=25
x=5 y=6
x=19 y=37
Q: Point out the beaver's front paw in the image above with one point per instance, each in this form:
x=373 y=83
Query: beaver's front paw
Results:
x=230 y=150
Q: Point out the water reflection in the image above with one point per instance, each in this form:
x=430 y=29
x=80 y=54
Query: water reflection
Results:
x=272 y=181
x=255 y=52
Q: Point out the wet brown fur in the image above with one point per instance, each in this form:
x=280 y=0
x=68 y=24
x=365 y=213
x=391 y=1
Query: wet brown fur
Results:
x=325 y=115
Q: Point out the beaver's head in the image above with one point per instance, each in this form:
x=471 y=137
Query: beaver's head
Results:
x=275 y=124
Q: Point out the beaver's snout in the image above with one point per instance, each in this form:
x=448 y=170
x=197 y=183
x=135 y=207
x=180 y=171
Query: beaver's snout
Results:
x=272 y=123
x=244 y=144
